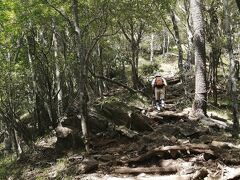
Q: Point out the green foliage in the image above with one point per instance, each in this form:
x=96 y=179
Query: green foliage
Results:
x=149 y=69
x=5 y=163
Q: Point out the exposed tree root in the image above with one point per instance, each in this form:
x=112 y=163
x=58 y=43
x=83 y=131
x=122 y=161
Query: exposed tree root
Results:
x=175 y=150
x=138 y=170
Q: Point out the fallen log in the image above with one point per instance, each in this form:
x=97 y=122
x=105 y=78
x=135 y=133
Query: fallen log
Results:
x=138 y=170
x=149 y=177
x=213 y=122
x=226 y=145
x=172 y=81
x=167 y=115
x=218 y=118
x=172 y=114
x=172 y=150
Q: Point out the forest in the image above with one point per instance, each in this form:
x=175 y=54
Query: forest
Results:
x=79 y=97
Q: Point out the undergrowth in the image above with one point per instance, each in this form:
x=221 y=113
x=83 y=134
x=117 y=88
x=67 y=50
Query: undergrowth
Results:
x=5 y=163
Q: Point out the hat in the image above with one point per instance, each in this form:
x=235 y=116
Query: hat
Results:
x=157 y=74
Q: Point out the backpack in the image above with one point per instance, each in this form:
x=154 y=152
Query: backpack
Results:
x=159 y=82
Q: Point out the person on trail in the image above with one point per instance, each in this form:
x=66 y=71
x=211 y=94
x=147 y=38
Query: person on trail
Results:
x=159 y=87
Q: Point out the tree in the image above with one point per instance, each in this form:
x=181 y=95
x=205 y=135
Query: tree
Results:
x=179 y=44
x=232 y=72
x=199 y=107
x=214 y=38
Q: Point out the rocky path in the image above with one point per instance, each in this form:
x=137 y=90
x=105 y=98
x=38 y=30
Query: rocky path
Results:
x=144 y=144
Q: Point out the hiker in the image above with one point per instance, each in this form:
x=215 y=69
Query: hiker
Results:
x=159 y=87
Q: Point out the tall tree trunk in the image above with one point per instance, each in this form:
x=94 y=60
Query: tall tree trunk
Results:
x=190 y=50
x=100 y=82
x=168 y=41
x=164 y=42
x=232 y=72
x=57 y=74
x=179 y=44
x=134 y=43
x=199 y=107
x=134 y=65
x=81 y=81
x=34 y=84
x=213 y=37
x=152 y=48
x=213 y=67
x=17 y=145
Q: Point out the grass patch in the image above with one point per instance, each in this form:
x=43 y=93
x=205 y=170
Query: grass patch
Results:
x=5 y=165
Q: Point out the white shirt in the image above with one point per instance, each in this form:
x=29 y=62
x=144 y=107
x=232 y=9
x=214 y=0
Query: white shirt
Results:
x=164 y=81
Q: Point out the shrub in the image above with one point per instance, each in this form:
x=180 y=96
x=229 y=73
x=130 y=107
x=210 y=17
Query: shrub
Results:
x=149 y=69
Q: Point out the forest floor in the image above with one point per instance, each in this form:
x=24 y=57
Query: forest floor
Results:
x=176 y=147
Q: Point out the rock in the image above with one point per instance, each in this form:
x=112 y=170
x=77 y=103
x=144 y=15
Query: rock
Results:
x=173 y=139
x=86 y=166
x=190 y=129
x=104 y=158
x=126 y=132
x=139 y=122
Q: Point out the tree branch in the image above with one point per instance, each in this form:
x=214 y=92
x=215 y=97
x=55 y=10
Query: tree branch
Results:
x=167 y=26
x=62 y=14
x=124 y=32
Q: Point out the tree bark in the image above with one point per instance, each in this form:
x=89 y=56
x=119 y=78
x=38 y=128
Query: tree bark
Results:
x=190 y=53
x=164 y=42
x=179 y=44
x=101 y=69
x=17 y=145
x=232 y=73
x=213 y=67
x=34 y=84
x=213 y=37
x=81 y=80
x=57 y=74
x=152 y=48
x=134 y=42
x=199 y=107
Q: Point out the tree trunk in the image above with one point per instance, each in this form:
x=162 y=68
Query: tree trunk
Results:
x=168 y=41
x=134 y=42
x=164 y=42
x=57 y=74
x=101 y=71
x=213 y=37
x=17 y=145
x=34 y=84
x=213 y=66
x=134 y=65
x=152 y=48
x=190 y=53
x=199 y=107
x=82 y=75
x=232 y=72
x=179 y=44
